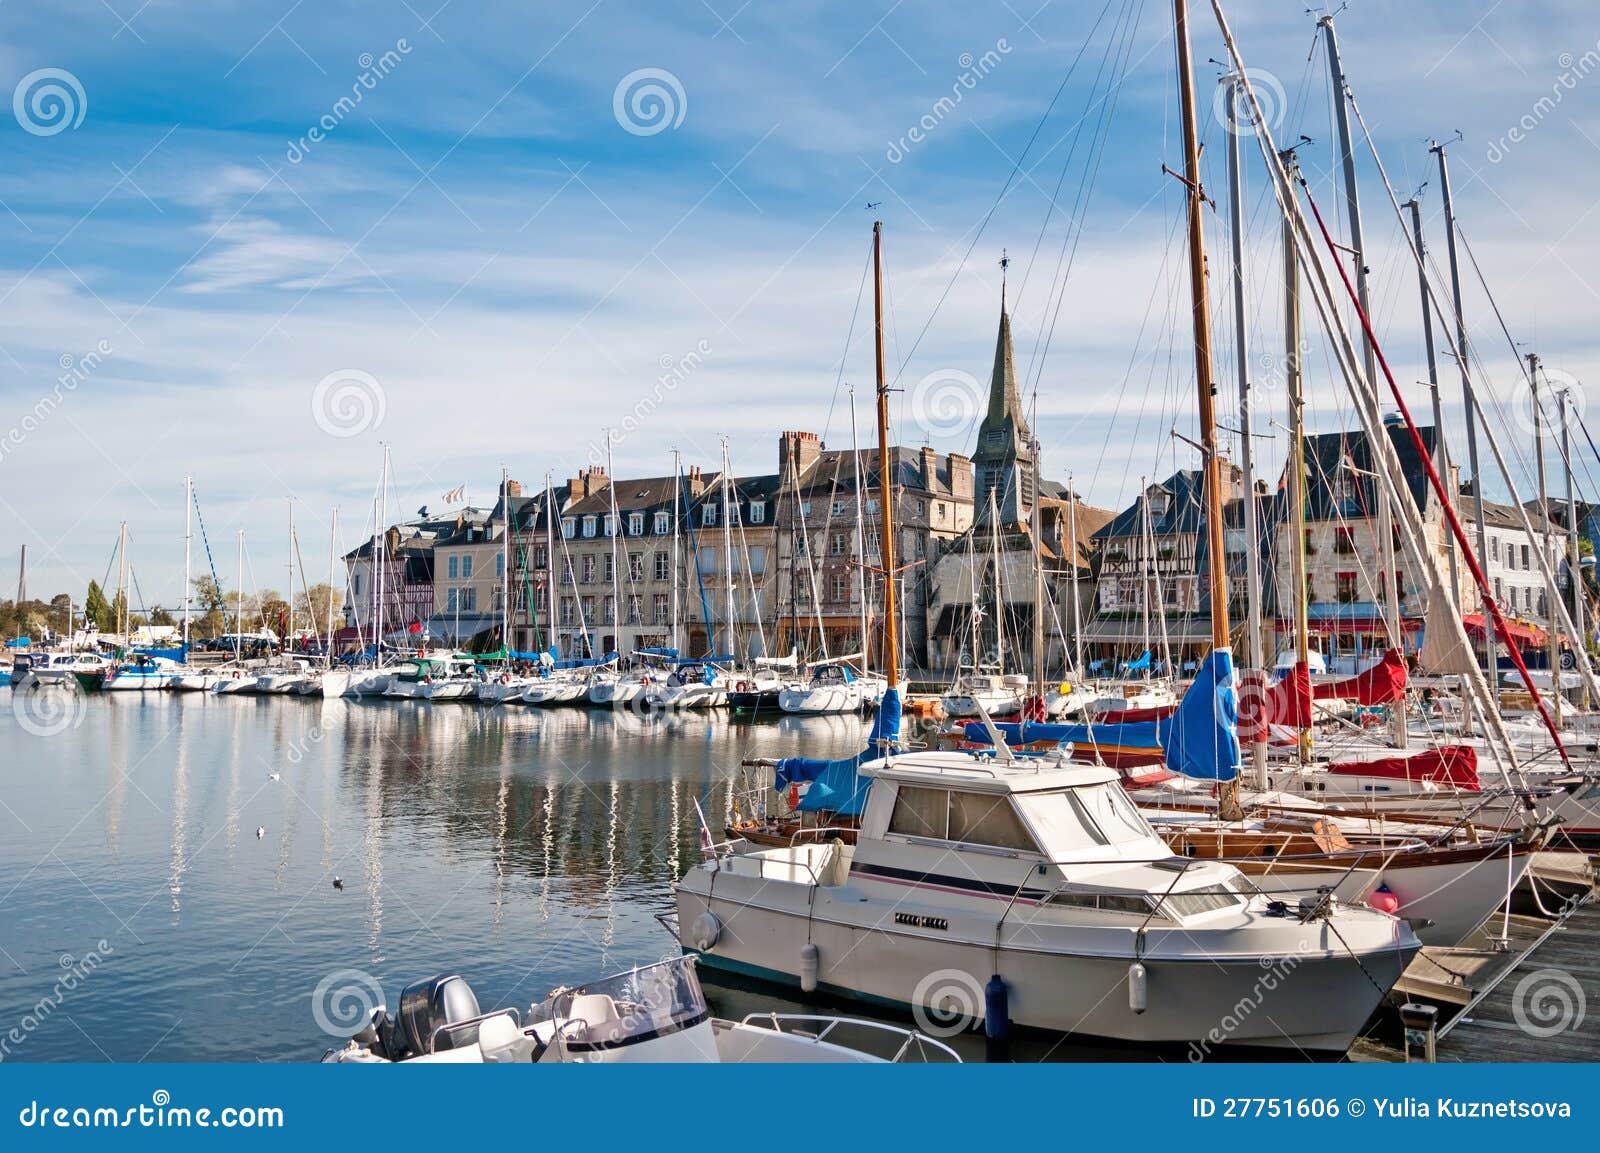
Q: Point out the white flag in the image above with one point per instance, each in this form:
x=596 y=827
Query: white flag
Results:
x=456 y=495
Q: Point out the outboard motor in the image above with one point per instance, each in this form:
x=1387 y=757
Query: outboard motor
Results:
x=427 y=1006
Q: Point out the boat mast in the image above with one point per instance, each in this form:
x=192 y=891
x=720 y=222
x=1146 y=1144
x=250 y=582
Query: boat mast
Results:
x=333 y=554
x=1254 y=655
x=1491 y=644
x=1388 y=585
x=188 y=513
x=238 y=615
x=1297 y=449
x=1072 y=547
x=616 y=573
x=727 y=541
x=1147 y=561
x=1205 y=385
x=1038 y=569
x=1574 y=560
x=1442 y=451
x=677 y=547
x=288 y=628
x=1542 y=543
x=122 y=581
x=550 y=582
x=891 y=640
x=505 y=562
x=861 y=530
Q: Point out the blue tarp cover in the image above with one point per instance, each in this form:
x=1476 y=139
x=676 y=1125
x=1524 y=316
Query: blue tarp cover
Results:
x=837 y=786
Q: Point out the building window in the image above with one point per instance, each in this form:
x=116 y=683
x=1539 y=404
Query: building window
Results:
x=1525 y=561
x=708 y=515
x=610 y=616
x=452 y=600
x=922 y=508
x=636 y=524
x=469 y=600
x=1344 y=541
x=588 y=609
x=663 y=566
x=938 y=509
x=758 y=512
x=466 y=567
x=1345 y=587
x=568 y=527
x=588 y=526
x=841 y=587
x=662 y=608
x=541 y=559
x=635 y=608
x=1494 y=549
x=663 y=524
x=568 y=611
x=636 y=566
x=837 y=547
x=805 y=508
x=499 y=564
x=355 y=584
x=874 y=541
x=758 y=560
x=611 y=569
x=588 y=570
x=610 y=525
x=454 y=565
x=837 y=509
x=802 y=545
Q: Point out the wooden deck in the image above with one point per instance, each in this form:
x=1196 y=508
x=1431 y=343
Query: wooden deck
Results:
x=1540 y=1003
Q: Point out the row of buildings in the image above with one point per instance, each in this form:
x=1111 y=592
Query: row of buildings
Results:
x=791 y=560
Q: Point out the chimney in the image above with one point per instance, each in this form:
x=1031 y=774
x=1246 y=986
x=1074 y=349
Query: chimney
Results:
x=930 y=469
x=588 y=482
x=697 y=484
x=799 y=450
x=514 y=489
x=961 y=477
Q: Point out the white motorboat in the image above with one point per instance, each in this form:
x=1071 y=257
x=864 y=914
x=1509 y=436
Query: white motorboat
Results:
x=999 y=695
x=1040 y=880
x=555 y=689
x=86 y=670
x=1135 y=696
x=234 y=681
x=285 y=678
x=653 y=1014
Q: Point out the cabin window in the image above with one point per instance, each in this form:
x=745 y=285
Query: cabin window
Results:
x=920 y=813
x=1061 y=821
x=987 y=819
x=1193 y=904
x=1113 y=814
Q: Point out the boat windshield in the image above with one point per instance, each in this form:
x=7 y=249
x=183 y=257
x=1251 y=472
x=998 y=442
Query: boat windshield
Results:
x=1071 y=820
x=628 y=1006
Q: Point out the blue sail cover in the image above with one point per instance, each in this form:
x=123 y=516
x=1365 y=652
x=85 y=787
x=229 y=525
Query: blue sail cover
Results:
x=837 y=786
x=1203 y=738
x=1200 y=740
x=1139 y=665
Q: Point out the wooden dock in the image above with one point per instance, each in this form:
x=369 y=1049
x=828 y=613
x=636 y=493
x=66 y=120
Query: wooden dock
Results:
x=1542 y=1006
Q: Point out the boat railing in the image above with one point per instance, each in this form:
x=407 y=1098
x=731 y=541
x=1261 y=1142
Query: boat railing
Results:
x=819 y=830
x=817 y=1027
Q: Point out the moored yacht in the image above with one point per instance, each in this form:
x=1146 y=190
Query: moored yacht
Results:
x=1041 y=874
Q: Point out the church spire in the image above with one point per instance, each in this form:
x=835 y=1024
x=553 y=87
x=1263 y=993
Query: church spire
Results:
x=1003 y=460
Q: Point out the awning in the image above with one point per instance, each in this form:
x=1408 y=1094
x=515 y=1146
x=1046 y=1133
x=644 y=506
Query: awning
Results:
x=1126 y=631
x=1528 y=636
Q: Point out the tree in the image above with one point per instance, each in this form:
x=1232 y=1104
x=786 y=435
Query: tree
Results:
x=96 y=609
x=213 y=606
x=312 y=606
x=160 y=616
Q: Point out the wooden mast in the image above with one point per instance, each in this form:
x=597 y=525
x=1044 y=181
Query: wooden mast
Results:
x=891 y=634
x=1205 y=386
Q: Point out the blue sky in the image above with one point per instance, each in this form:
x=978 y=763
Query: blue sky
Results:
x=483 y=252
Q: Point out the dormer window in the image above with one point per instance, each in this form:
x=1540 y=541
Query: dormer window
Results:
x=636 y=524
x=663 y=524
x=708 y=515
x=568 y=527
x=758 y=512
x=588 y=526
x=611 y=525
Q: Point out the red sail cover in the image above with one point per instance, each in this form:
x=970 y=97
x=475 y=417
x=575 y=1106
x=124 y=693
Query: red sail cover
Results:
x=1382 y=683
x=1264 y=704
x=1447 y=765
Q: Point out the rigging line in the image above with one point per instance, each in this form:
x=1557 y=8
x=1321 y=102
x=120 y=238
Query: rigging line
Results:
x=1004 y=190
x=1066 y=166
x=1081 y=207
x=848 y=340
